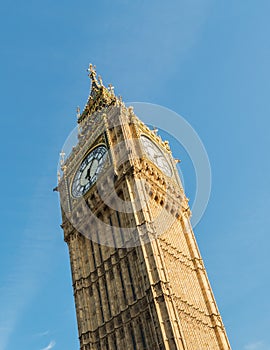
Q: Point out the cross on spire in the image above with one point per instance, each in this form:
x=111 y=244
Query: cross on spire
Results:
x=91 y=70
x=93 y=76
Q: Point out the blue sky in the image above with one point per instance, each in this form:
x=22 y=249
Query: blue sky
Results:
x=208 y=61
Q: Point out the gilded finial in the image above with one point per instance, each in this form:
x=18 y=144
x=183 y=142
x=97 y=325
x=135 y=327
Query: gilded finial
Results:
x=155 y=130
x=92 y=74
x=177 y=161
x=111 y=88
x=91 y=70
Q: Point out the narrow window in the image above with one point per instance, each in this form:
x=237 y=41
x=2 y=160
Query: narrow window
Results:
x=133 y=338
x=122 y=283
x=111 y=224
x=100 y=303
x=114 y=342
x=107 y=296
x=100 y=252
x=142 y=336
x=93 y=253
x=120 y=227
x=131 y=281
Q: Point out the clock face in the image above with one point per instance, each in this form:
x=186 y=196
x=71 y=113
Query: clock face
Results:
x=156 y=155
x=88 y=171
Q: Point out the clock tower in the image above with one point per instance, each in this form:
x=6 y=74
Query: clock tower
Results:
x=138 y=277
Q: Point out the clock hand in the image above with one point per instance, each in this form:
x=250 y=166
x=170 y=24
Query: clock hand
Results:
x=88 y=176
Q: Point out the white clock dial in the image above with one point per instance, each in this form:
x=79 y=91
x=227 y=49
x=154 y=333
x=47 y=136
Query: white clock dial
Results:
x=88 y=171
x=156 y=155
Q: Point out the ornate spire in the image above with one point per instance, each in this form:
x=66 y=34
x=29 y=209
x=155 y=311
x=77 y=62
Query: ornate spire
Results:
x=100 y=96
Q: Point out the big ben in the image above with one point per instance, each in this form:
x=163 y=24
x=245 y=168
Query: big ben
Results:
x=138 y=277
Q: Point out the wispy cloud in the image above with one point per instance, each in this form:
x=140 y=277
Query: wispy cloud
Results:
x=50 y=346
x=41 y=334
x=255 y=346
x=23 y=278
